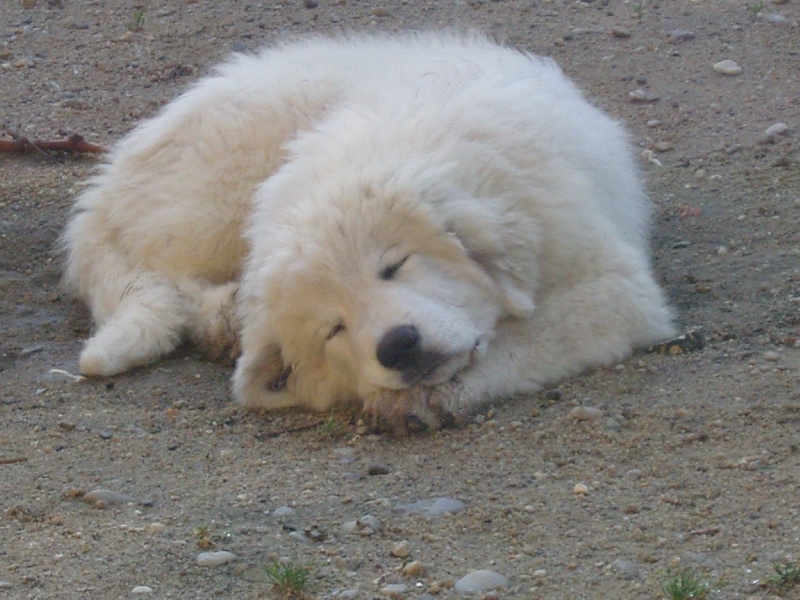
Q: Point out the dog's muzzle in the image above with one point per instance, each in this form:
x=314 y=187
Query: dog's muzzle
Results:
x=402 y=349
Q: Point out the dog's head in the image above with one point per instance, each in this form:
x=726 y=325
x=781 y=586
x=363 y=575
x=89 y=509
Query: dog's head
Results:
x=370 y=286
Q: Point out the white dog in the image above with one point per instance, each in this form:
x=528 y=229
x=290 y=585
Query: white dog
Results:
x=419 y=224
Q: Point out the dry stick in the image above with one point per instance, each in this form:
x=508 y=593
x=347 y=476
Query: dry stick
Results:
x=74 y=144
x=12 y=459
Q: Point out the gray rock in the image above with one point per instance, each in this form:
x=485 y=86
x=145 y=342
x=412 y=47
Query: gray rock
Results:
x=215 y=559
x=482 y=580
x=433 y=507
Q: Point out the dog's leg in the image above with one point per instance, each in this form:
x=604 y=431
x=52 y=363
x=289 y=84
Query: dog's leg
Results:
x=212 y=323
x=146 y=321
x=594 y=323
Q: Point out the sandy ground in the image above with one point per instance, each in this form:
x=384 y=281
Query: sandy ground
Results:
x=694 y=459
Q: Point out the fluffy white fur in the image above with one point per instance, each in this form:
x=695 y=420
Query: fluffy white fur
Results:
x=419 y=224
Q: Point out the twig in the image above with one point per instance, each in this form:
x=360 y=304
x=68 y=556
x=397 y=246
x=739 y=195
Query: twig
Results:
x=74 y=144
x=12 y=459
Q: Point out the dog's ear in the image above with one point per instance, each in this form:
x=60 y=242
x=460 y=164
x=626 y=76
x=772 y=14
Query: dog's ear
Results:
x=261 y=379
x=501 y=244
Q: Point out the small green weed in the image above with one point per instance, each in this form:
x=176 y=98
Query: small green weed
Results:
x=786 y=576
x=684 y=585
x=756 y=7
x=288 y=579
x=137 y=19
x=332 y=428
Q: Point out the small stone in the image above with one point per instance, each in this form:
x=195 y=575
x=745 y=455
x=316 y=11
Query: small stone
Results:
x=350 y=527
x=627 y=568
x=585 y=413
x=369 y=522
x=482 y=580
x=772 y=356
x=394 y=590
x=722 y=251
x=653 y=123
x=299 y=536
x=66 y=425
x=156 y=527
x=634 y=473
x=142 y=589
x=106 y=498
x=434 y=507
x=4 y=585
x=773 y=131
x=310 y=3
x=620 y=33
x=642 y=97
x=727 y=67
x=284 y=513
x=581 y=489
x=662 y=146
x=414 y=569
x=215 y=559
x=401 y=550
x=680 y=35
x=377 y=469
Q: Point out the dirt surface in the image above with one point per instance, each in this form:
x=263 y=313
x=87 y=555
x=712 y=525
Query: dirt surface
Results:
x=692 y=460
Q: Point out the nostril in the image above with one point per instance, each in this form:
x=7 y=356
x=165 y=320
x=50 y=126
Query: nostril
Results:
x=398 y=347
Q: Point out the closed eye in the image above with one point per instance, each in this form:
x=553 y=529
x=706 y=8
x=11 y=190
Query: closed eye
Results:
x=389 y=272
x=338 y=328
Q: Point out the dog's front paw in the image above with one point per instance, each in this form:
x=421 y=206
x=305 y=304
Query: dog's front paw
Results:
x=416 y=409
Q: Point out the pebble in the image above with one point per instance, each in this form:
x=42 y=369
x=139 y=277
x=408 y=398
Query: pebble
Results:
x=215 y=559
x=772 y=356
x=773 y=131
x=433 y=507
x=156 y=527
x=727 y=67
x=366 y=525
x=284 y=513
x=142 y=589
x=479 y=581
x=103 y=498
x=414 y=569
x=627 y=568
x=585 y=413
x=642 y=97
x=401 y=550
x=377 y=469
x=5 y=585
x=394 y=590
x=580 y=489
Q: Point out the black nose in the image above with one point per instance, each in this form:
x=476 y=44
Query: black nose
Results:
x=399 y=348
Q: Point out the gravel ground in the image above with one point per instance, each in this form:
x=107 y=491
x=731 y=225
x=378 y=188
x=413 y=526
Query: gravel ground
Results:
x=593 y=489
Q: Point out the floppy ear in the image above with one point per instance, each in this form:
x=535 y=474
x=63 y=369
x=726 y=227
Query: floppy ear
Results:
x=260 y=379
x=504 y=245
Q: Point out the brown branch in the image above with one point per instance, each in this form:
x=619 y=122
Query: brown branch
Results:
x=12 y=459
x=74 y=144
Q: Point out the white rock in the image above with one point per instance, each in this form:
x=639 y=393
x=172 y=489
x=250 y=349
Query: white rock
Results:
x=401 y=549
x=727 y=67
x=142 y=589
x=156 y=527
x=107 y=496
x=581 y=489
x=215 y=559
x=482 y=580
x=284 y=513
x=394 y=590
x=585 y=413
x=369 y=522
x=433 y=507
